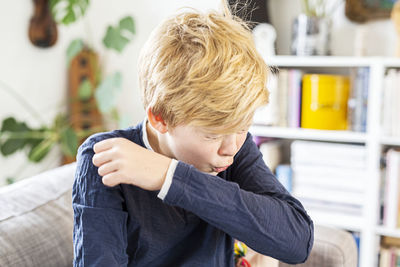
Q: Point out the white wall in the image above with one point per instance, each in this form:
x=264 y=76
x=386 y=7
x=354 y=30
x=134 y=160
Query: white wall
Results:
x=39 y=75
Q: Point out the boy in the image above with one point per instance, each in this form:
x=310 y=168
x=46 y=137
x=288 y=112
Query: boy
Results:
x=177 y=189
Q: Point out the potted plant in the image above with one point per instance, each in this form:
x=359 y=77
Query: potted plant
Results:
x=98 y=92
x=312 y=28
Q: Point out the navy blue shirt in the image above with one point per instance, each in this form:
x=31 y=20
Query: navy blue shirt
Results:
x=195 y=224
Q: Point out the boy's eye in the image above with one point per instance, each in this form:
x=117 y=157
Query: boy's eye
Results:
x=212 y=137
x=243 y=131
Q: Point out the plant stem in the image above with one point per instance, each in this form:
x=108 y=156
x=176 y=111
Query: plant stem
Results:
x=31 y=135
x=306 y=7
x=22 y=101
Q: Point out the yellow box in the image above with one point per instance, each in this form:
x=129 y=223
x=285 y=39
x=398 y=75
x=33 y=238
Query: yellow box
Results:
x=324 y=101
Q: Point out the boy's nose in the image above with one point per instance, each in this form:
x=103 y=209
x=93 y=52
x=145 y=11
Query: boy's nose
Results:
x=228 y=146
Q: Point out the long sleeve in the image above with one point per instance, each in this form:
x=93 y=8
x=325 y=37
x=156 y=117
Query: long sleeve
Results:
x=253 y=207
x=100 y=235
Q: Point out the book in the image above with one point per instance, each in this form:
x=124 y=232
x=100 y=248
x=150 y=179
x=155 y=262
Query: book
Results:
x=284 y=176
x=384 y=257
x=390 y=108
x=294 y=107
x=358 y=99
x=331 y=207
x=269 y=114
x=346 y=156
x=328 y=194
x=353 y=184
x=388 y=91
x=271 y=152
x=391 y=198
x=283 y=97
x=329 y=149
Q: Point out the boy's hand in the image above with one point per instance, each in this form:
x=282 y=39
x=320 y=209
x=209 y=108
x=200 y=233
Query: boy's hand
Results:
x=122 y=161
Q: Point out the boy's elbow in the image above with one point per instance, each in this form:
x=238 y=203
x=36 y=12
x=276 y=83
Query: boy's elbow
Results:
x=294 y=247
x=304 y=243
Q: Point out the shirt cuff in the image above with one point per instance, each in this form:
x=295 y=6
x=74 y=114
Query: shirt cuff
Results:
x=168 y=179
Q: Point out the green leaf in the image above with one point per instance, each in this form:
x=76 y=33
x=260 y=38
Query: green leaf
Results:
x=69 y=142
x=114 y=40
x=85 y=90
x=60 y=121
x=114 y=114
x=128 y=24
x=39 y=151
x=68 y=11
x=69 y=17
x=10 y=180
x=12 y=144
x=73 y=49
x=118 y=37
x=9 y=124
x=106 y=93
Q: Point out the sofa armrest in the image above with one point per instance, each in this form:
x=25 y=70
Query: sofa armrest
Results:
x=36 y=220
x=332 y=248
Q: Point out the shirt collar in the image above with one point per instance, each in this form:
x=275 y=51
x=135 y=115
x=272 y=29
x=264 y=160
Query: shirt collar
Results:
x=144 y=134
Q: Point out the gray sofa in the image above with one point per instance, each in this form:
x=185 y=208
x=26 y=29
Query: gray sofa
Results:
x=36 y=221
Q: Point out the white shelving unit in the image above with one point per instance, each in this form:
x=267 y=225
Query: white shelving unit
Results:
x=367 y=223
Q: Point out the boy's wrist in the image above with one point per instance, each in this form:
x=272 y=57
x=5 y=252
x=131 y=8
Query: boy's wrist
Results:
x=168 y=179
x=162 y=164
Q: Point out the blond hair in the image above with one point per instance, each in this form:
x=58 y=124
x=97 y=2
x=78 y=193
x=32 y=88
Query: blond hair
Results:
x=203 y=70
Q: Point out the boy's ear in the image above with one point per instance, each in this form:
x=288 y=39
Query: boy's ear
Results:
x=157 y=122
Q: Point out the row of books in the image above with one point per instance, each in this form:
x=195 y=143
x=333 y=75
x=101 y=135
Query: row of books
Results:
x=391 y=108
x=389 y=257
x=284 y=108
x=389 y=253
x=390 y=190
x=329 y=176
x=284 y=105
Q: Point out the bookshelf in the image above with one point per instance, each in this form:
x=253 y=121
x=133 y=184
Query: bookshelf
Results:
x=309 y=134
x=373 y=139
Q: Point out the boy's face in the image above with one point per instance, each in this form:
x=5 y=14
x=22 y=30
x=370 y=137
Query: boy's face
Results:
x=210 y=153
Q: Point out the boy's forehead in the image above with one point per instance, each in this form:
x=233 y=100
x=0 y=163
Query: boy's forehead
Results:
x=220 y=129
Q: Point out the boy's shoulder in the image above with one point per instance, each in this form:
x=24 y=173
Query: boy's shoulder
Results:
x=133 y=133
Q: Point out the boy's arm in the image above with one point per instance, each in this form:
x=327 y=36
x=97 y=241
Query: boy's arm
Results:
x=255 y=208
x=100 y=237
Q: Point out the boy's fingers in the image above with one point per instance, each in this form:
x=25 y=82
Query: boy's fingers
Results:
x=111 y=179
x=103 y=145
x=108 y=168
x=102 y=157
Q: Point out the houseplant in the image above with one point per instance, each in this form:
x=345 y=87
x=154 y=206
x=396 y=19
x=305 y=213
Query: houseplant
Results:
x=37 y=142
x=312 y=28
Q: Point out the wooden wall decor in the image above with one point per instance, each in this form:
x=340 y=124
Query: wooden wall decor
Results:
x=365 y=10
x=83 y=114
x=42 y=28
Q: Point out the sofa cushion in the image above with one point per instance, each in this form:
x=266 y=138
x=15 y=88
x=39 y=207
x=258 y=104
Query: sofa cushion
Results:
x=332 y=248
x=36 y=220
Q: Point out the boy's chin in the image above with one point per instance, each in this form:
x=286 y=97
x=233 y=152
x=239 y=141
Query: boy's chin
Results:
x=211 y=172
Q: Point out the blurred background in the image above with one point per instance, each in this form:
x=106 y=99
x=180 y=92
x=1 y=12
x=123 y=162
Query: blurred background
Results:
x=40 y=75
x=331 y=132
